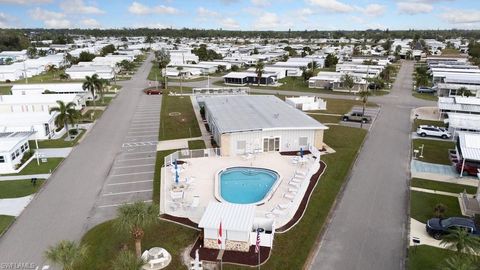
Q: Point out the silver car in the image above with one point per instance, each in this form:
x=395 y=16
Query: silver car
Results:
x=425 y=130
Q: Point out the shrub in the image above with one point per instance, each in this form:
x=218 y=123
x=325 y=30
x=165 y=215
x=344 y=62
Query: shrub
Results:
x=73 y=132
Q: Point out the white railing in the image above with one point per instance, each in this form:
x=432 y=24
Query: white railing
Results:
x=221 y=91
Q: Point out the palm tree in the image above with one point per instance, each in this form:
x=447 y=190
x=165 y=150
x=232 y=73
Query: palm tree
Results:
x=66 y=114
x=458 y=263
x=348 y=81
x=259 y=68
x=127 y=260
x=66 y=253
x=101 y=87
x=461 y=241
x=364 y=94
x=90 y=85
x=180 y=73
x=134 y=218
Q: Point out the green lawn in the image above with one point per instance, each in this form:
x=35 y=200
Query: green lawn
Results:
x=99 y=102
x=177 y=126
x=105 y=242
x=18 y=188
x=5 y=221
x=419 y=122
x=5 y=90
x=154 y=70
x=196 y=144
x=342 y=106
x=58 y=143
x=33 y=168
x=425 y=257
x=87 y=118
x=426 y=96
x=434 y=151
x=442 y=186
x=422 y=205
x=326 y=118
x=47 y=77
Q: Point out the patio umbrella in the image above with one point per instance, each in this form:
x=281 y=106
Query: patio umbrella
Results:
x=301 y=152
x=197 y=259
x=176 y=171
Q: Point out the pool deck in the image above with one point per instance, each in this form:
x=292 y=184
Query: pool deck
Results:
x=204 y=170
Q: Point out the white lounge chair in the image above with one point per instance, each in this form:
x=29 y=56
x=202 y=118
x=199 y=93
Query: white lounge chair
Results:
x=302 y=173
x=270 y=215
x=278 y=212
x=283 y=206
x=292 y=189
x=296 y=180
x=294 y=184
x=289 y=195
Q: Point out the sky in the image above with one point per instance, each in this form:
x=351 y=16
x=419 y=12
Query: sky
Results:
x=242 y=14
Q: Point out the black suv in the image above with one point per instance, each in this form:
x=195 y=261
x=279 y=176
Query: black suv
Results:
x=437 y=227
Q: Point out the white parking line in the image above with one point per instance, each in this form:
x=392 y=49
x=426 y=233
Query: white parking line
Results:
x=136 y=136
x=144 y=152
x=127 y=192
x=133 y=166
x=126 y=183
x=124 y=174
x=119 y=204
x=127 y=159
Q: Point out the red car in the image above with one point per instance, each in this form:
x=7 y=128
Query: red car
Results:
x=153 y=92
x=471 y=168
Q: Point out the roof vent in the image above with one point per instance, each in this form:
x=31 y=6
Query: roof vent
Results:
x=276 y=115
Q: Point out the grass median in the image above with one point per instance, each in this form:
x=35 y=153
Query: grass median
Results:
x=442 y=186
x=5 y=221
x=427 y=257
x=42 y=168
x=58 y=143
x=177 y=118
x=422 y=205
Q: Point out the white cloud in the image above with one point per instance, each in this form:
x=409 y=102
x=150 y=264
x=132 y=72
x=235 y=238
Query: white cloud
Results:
x=50 y=19
x=413 y=8
x=261 y=3
x=79 y=7
x=304 y=12
x=332 y=5
x=229 y=23
x=457 y=16
x=90 y=23
x=374 y=10
x=140 y=9
x=267 y=21
x=25 y=2
x=4 y=20
x=203 y=12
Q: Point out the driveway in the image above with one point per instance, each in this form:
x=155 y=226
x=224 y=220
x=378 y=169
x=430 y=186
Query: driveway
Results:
x=62 y=209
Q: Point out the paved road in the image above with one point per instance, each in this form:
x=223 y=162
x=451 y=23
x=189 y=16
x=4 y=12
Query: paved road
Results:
x=63 y=207
x=368 y=228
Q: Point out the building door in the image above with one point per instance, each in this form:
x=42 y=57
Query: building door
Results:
x=271 y=144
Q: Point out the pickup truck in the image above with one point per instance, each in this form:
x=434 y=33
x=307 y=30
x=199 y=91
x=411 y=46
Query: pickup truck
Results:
x=437 y=227
x=357 y=117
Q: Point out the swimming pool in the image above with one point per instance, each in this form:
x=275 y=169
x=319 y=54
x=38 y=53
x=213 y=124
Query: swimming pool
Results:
x=246 y=185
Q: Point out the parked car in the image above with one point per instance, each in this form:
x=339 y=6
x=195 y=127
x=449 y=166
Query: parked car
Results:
x=470 y=168
x=423 y=89
x=437 y=227
x=426 y=130
x=153 y=92
x=357 y=117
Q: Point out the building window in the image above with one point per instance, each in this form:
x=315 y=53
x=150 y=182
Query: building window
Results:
x=271 y=144
x=17 y=153
x=22 y=148
x=303 y=141
x=2 y=159
x=241 y=145
x=26 y=146
x=13 y=156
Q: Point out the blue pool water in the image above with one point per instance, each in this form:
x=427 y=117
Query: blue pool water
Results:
x=244 y=185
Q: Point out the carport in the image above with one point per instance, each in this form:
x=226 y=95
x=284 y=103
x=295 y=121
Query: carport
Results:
x=468 y=148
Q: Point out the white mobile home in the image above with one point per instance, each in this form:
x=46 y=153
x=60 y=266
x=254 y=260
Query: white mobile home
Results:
x=13 y=146
x=248 y=124
x=333 y=81
x=79 y=72
x=48 y=88
x=42 y=123
x=37 y=103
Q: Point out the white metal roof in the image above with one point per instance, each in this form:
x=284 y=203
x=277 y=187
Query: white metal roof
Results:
x=258 y=112
x=56 y=87
x=469 y=145
x=8 y=140
x=464 y=121
x=234 y=217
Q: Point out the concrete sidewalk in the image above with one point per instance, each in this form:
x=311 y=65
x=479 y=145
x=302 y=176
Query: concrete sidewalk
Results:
x=438 y=192
x=417 y=229
x=175 y=144
x=14 y=206
x=201 y=125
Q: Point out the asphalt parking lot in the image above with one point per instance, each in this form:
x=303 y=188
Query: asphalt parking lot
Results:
x=131 y=176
